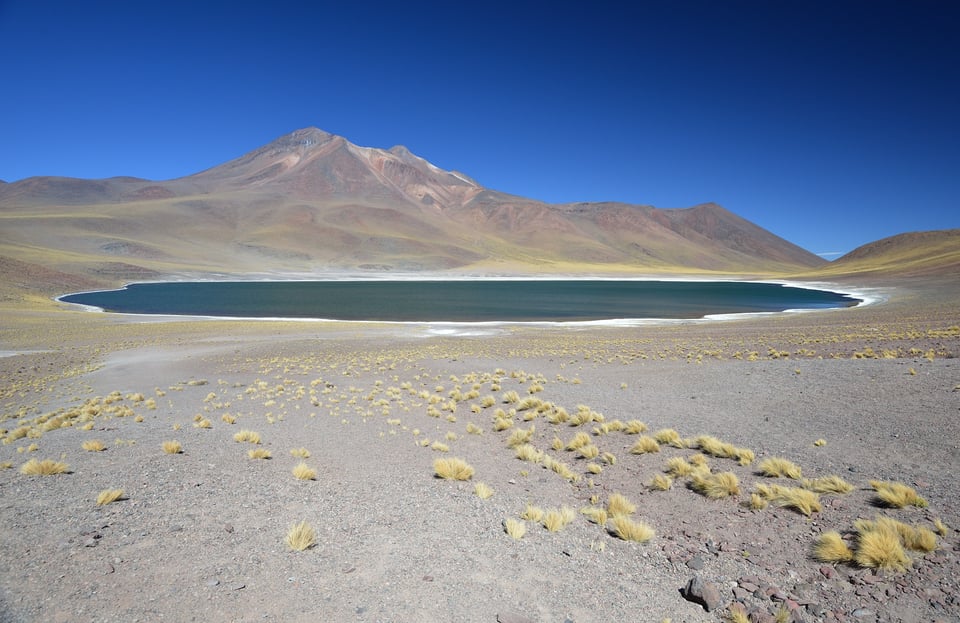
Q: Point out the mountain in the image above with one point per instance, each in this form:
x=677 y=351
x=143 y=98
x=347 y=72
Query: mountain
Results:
x=311 y=202
x=913 y=254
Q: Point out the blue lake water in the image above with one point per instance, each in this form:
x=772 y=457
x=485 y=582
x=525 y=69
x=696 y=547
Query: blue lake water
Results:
x=459 y=301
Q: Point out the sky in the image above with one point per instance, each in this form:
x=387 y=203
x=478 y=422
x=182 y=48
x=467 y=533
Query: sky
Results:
x=830 y=123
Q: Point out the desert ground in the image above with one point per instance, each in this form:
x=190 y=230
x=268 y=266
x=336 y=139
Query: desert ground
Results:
x=865 y=394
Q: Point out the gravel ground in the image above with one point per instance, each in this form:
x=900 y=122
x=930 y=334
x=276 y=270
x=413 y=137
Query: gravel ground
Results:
x=200 y=536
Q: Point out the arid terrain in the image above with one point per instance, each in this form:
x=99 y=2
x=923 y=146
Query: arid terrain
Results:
x=637 y=461
x=200 y=535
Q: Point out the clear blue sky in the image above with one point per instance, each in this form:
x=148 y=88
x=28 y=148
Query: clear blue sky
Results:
x=830 y=123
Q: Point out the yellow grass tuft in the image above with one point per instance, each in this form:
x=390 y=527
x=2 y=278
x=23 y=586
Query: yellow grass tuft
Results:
x=629 y=530
x=93 y=445
x=881 y=549
x=668 y=436
x=595 y=514
x=594 y=468
x=300 y=536
x=579 y=440
x=532 y=513
x=830 y=547
x=247 y=436
x=501 y=423
x=203 y=423
x=715 y=486
x=555 y=520
x=439 y=446
x=520 y=436
x=757 y=502
x=515 y=528
x=527 y=452
x=304 y=472
x=644 y=445
x=828 y=484
x=452 y=469
x=634 y=427
x=820 y=442
x=661 y=483
x=589 y=451
x=609 y=458
x=300 y=453
x=619 y=505
x=678 y=467
x=802 y=500
x=736 y=614
x=473 y=429
x=172 y=447
x=109 y=495
x=259 y=453
x=776 y=467
x=897 y=494
x=482 y=491
x=46 y=467
x=942 y=528
x=228 y=419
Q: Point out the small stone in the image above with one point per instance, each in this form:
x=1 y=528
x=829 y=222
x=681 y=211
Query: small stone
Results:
x=108 y=569
x=863 y=613
x=695 y=563
x=237 y=586
x=741 y=594
x=428 y=578
x=817 y=610
x=228 y=528
x=512 y=617
x=213 y=582
x=748 y=586
x=704 y=593
x=90 y=542
x=828 y=572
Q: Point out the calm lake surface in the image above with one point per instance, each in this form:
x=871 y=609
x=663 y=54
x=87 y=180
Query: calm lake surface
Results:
x=458 y=301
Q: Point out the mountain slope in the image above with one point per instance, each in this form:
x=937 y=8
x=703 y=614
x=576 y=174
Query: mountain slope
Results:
x=913 y=254
x=312 y=201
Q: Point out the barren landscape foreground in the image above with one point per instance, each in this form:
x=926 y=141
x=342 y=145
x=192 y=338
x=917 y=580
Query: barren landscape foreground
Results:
x=224 y=435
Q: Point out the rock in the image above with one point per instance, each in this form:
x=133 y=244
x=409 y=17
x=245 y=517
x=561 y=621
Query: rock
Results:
x=704 y=593
x=695 y=563
x=863 y=613
x=512 y=617
x=828 y=572
x=213 y=582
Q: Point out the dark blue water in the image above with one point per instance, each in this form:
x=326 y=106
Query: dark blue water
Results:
x=458 y=301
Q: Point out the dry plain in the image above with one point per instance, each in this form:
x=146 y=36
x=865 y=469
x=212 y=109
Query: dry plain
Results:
x=200 y=535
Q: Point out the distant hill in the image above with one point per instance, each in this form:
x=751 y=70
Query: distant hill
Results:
x=914 y=254
x=311 y=201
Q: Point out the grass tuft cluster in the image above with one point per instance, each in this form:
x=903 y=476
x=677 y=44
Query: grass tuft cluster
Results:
x=452 y=469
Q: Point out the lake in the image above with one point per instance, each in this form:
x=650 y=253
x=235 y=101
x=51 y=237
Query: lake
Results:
x=460 y=300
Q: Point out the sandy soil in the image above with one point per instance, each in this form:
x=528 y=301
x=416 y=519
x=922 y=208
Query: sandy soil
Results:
x=199 y=536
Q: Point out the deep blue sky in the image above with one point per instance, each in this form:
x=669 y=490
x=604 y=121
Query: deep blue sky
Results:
x=830 y=123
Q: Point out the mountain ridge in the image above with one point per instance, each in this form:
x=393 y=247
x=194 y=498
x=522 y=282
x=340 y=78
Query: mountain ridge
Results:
x=311 y=201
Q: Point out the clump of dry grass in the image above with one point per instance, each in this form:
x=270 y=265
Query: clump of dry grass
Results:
x=645 y=445
x=757 y=502
x=300 y=536
x=482 y=491
x=820 y=442
x=109 y=495
x=661 y=483
x=532 y=513
x=579 y=440
x=629 y=530
x=46 y=467
x=619 y=505
x=172 y=447
x=595 y=468
x=93 y=445
x=776 y=467
x=527 y=452
x=678 y=467
x=439 y=446
x=514 y=528
x=555 y=520
x=715 y=486
x=828 y=484
x=452 y=469
x=259 y=453
x=897 y=494
x=595 y=514
x=668 y=436
x=247 y=436
x=634 y=427
x=300 y=453
x=304 y=472
x=802 y=500
x=589 y=451
x=881 y=549
x=830 y=547
x=473 y=429
x=520 y=436
x=941 y=527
